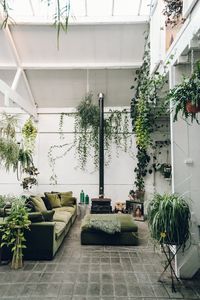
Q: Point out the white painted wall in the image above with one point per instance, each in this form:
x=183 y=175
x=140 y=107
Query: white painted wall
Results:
x=119 y=175
x=186 y=168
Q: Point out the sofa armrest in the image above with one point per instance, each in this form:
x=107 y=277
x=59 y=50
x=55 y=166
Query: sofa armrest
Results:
x=40 y=241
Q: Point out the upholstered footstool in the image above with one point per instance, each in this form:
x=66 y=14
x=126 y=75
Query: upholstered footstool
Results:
x=109 y=229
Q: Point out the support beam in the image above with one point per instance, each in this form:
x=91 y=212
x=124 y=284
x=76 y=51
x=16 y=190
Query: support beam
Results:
x=18 y=62
x=16 y=79
x=16 y=98
x=81 y=66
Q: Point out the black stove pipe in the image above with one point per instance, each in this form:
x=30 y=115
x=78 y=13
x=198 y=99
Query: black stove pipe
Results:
x=101 y=145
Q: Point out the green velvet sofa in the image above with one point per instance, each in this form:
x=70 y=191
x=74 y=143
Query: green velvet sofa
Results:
x=45 y=237
x=127 y=234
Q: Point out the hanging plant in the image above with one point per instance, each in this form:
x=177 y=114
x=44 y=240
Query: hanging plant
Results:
x=173 y=11
x=31 y=180
x=60 y=16
x=29 y=133
x=86 y=137
x=185 y=96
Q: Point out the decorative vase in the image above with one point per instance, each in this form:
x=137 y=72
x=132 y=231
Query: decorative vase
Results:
x=192 y=108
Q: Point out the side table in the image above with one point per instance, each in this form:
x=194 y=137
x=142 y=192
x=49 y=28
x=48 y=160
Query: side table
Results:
x=83 y=209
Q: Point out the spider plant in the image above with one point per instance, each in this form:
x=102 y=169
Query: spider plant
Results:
x=169 y=219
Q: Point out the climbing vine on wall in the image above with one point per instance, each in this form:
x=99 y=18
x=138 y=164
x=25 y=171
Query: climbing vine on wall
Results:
x=146 y=107
x=86 y=134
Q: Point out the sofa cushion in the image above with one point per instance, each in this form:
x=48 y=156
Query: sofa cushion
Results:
x=53 y=199
x=62 y=216
x=46 y=202
x=67 y=200
x=35 y=217
x=59 y=228
x=71 y=209
x=38 y=203
x=48 y=215
x=127 y=223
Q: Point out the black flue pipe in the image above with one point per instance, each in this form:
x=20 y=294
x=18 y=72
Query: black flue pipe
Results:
x=101 y=145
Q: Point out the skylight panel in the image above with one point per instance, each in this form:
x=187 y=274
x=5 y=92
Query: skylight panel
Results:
x=102 y=8
x=77 y=8
x=126 y=7
x=145 y=7
x=20 y=8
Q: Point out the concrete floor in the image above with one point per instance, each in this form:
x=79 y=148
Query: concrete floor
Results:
x=96 y=273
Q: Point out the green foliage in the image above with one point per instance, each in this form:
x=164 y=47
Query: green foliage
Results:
x=86 y=139
x=4 y=199
x=28 y=182
x=8 y=125
x=13 y=230
x=9 y=153
x=169 y=219
x=29 y=133
x=146 y=108
x=187 y=91
x=173 y=11
x=143 y=160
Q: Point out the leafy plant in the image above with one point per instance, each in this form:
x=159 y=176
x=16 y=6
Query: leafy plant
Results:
x=146 y=108
x=13 y=231
x=86 y=139
x=29 y=133
x=165 y=169
x=8 y=125
x=169 y=219
x=173 y=11
x=31 y=180
x=187 y=93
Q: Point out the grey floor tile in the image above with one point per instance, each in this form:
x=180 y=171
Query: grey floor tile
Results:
x=66 y=289
x=107 y=289
x=120 y=290
x=80 y=289
x=93 y=289
x=134 y=291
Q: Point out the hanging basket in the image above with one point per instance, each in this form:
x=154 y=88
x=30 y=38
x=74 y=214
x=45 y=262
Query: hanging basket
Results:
x=192 y=108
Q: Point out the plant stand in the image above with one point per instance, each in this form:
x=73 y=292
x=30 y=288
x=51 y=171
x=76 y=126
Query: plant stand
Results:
x=170 y=257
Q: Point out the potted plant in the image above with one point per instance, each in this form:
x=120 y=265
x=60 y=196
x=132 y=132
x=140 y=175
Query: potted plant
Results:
x=13 y=231
x=185 y=96
x=169 y=219
x=165 y=169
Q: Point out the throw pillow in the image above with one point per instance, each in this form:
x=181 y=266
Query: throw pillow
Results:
x=67 y=200
x=54 y=200
x=46 y=202
x=48 y=215
x=35 y=217
x=38 y=203
x=66 y=194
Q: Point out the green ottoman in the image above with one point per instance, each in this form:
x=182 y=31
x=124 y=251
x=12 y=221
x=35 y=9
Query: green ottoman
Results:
x=109 y=229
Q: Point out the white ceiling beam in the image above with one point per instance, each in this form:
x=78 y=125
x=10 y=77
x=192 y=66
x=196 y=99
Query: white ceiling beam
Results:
x=86 y=8
x=16 y=98
x=112 y=20
x=18 y=62
x=113 y=7
x=139 y=8
x=16 y=79
x=52 y=66
x=32 y=8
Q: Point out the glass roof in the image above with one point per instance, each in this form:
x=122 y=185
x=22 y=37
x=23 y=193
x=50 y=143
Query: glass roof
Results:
x=80 y=8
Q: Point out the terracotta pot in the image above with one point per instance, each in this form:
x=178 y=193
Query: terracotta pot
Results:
x=192 y=108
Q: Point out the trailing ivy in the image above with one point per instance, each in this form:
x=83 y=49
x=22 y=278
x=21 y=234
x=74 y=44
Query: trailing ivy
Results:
x=86 y=134
x=146 y=108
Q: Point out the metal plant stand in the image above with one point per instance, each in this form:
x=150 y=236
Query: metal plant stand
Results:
x=169 y=264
